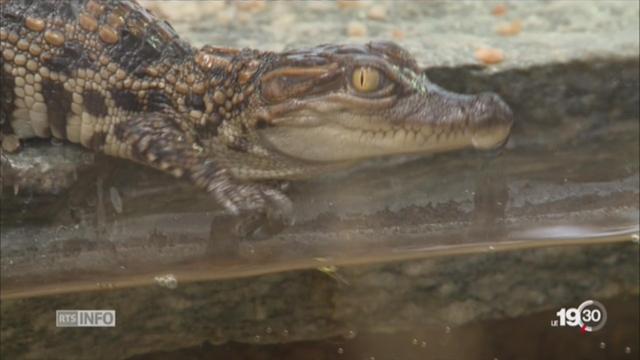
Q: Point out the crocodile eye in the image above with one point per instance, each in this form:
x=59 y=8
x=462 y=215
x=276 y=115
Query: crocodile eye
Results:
x=366 y=79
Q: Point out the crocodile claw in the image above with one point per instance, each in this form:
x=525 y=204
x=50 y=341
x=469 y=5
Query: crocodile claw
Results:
x=263 y=210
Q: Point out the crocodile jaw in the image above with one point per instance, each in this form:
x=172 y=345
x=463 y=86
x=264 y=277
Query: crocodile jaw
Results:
x=443 y=122
x=332 y=142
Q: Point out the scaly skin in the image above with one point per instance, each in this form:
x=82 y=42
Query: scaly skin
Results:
x=113 y=78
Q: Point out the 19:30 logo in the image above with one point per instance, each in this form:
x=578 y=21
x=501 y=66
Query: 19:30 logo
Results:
x=590 y=316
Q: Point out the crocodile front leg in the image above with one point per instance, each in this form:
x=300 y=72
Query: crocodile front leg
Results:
x=155 y=140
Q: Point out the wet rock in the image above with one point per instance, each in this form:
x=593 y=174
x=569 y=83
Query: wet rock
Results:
x=168 y=316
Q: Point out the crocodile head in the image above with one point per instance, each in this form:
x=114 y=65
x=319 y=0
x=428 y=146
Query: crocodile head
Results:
x=343 y=103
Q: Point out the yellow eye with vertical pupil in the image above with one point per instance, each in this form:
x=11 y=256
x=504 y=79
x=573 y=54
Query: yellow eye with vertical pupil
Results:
x=366 y=79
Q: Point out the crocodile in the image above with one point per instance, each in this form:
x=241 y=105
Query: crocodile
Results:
x=238 y=123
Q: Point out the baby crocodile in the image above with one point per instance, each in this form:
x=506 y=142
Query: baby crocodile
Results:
x=110 y=76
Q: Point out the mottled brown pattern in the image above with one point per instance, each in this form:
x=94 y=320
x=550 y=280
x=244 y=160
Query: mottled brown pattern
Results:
x=58 y=102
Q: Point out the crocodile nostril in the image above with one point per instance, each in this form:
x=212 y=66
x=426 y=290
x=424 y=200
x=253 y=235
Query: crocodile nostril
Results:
x=502 y=111
x=492 y=111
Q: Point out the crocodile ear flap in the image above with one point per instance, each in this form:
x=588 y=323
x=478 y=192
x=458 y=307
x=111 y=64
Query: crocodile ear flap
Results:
x=289 y=82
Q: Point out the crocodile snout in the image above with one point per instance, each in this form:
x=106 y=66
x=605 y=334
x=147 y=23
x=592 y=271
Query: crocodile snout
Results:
x=491 y=121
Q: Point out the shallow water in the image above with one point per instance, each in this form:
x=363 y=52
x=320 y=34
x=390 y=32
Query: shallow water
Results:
x=529 y=337
x=381 y=212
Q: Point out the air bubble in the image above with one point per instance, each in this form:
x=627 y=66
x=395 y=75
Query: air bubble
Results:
x=603 y=345
x=423 y=344
x=627 y=350
x=447 y=330
x=168 y=281
x=246 y=250
x=350 y=334
x=340 y=351
x=268 y=330
x=415 y=341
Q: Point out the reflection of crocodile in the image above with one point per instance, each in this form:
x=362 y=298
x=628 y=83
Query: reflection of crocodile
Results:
x=108 y=75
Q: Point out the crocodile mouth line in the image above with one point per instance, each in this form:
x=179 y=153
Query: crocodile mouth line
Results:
x=423 y=135
x=342 y=142
x=411 y=140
